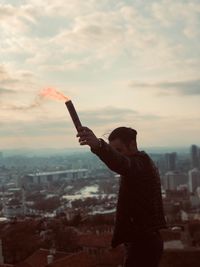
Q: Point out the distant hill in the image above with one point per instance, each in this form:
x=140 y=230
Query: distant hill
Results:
x=42 y=152
x=68 y=151
x=161 y=150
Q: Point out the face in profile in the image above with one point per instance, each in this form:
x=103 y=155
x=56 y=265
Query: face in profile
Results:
x=126 y=150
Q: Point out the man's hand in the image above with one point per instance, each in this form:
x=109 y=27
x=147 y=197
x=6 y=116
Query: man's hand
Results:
x=87 y=137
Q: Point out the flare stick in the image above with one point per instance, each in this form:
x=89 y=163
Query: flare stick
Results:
x=73 y=114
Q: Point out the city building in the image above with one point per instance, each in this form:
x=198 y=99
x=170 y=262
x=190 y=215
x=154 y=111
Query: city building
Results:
x=13 y=208
x=170 y=161
x=172 y=179
x=194 y=179
x=1 y=156
x=195 y=157
x=46 y=177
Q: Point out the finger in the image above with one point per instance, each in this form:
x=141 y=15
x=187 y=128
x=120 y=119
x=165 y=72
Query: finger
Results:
x=82 y=134
x=83 y=143
x=81 y=140
x=84 y=129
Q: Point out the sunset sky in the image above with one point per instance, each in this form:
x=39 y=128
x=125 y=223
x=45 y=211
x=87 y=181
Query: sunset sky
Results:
x=122 y=62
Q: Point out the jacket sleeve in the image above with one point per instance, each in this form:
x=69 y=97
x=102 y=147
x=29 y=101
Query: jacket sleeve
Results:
x=116 y=161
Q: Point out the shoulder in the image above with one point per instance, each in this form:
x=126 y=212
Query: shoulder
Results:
x=141 y=160
x=141 y=156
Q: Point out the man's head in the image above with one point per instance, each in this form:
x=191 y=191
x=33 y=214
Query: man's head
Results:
x=123 y=139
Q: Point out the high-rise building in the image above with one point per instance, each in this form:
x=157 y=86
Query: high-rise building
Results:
x=194 y=179
x=169 y=181
x=170 y=161
x=1 y=156
x=46 y=177
x=173 y=179
x=195 y=157
x=199 y=156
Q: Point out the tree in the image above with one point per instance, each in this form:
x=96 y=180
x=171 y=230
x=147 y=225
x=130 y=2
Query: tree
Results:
x=47 y=204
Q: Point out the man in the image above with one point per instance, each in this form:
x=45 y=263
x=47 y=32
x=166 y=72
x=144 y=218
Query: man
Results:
x=139 y=214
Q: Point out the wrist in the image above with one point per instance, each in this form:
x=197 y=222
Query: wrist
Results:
x=101 y=148
x=98 y=144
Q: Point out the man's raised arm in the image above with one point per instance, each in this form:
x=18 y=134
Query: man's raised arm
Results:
x=111 y=157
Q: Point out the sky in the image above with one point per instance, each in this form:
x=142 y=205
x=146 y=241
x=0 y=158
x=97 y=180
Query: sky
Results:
x=122 y=62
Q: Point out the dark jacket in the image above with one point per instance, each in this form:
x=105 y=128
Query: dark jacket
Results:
x=139 y=207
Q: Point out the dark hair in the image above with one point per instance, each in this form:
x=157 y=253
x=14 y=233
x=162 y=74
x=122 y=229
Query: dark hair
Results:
x=125 y=134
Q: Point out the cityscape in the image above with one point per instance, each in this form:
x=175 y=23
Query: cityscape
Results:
x=76 y=73
x=59 y=210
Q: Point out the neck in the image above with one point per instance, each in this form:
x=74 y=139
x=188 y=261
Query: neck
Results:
x=133 y=151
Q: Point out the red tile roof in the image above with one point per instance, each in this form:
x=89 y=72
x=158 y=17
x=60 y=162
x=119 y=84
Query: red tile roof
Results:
x=112 y=257
x=168 y=235
x=94 y=240
x=39 y=258
x=22 y=264
x=81 y=259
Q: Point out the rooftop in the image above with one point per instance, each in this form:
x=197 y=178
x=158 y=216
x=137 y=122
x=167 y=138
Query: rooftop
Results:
x=39 y=258
x=57 y=172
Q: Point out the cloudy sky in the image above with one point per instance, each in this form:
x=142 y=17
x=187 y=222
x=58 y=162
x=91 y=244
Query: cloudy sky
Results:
x=122 y=62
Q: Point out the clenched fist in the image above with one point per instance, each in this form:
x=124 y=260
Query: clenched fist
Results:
x=87 y=137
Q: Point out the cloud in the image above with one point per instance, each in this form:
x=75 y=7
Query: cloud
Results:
x=96 y=118
x=106 y=115
x=184 y=13
x=70 y=9
x=36 y=103
x=6 y=91
x=89 y=47
x=16 y=19
x=3 y=73
x=188 y=87
x=108 y=118
x=96 y=33
x=92 y=38
x=8 y=79
x=152 y=129
x=16 y=80
x=48 y=131
x=105 y=35
x=36 y=128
